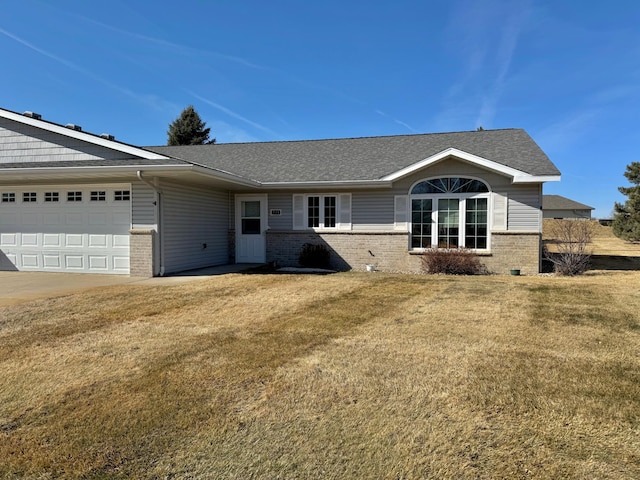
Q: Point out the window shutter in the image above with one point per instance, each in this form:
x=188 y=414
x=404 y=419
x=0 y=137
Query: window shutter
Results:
x=499 y=212
x=298 y=212
x=401 y=213
x=344 y=219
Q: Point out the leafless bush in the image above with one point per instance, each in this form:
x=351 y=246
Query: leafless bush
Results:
x=452 y=261
x=569 y=251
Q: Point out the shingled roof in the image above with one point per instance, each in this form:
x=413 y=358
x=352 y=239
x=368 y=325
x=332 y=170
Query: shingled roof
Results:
x=361 y=159
x=558 y=202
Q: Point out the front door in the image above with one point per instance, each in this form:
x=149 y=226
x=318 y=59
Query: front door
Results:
x=251 y=225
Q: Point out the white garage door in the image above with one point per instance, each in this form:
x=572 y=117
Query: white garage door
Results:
x=65 y=228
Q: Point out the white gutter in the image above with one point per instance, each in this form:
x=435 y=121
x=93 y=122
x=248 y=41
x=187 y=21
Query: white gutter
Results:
x=159 y=215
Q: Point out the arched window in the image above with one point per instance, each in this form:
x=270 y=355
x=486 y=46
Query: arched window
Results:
x=450 y=185
x=450 y=212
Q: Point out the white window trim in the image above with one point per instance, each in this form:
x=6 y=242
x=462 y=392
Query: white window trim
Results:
x=462 y=215
x=301 y=211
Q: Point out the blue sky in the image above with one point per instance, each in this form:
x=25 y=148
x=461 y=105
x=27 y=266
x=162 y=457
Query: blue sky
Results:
x=567 y=71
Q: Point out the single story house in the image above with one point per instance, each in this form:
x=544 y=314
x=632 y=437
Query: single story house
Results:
x=559 y=207
x=72 y=201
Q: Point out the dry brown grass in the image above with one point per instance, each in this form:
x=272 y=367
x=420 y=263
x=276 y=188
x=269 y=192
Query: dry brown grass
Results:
x=342 y=376
x=608 y=251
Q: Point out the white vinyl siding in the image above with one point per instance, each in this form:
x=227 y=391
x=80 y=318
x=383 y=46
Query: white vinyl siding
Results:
x=524 y=208
x=195 y=227
x=143 y=208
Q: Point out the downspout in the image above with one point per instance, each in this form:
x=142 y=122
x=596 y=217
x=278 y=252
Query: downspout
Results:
x=159 y=216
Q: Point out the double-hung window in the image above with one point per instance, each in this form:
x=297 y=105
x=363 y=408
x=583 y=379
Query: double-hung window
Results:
x=450 y=212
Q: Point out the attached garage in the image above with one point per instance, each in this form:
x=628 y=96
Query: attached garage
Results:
x=65 y=228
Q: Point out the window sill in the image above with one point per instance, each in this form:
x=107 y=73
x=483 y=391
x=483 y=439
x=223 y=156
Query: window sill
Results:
x=479 y=253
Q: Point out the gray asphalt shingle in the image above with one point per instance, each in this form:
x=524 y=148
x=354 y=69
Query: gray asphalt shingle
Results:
x=354 y=159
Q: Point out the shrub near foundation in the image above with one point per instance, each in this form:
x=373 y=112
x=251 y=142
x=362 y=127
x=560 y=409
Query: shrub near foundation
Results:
x=314 y=256
x=452 y=261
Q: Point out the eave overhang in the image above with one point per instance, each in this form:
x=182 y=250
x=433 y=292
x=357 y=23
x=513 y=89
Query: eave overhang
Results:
x=8 y=175
x=517 y=176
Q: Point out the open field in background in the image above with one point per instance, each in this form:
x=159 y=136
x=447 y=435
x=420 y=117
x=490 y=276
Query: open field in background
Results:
x=354 y=375
x=608 y=251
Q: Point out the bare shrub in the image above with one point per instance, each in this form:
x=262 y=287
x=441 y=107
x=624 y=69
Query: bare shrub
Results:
x=452 y=261
x=569 y=248
x=314 y=256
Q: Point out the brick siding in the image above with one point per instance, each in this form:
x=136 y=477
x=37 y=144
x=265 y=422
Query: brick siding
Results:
x=141 y=252
x=388 y=251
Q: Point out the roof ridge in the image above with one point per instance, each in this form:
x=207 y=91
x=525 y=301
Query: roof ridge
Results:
x=370 y=137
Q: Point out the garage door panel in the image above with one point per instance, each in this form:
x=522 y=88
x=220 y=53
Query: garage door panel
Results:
x=29 y=240
x=52 y=240
x=30 y=260
x=81 y=236
x=51 y=260
x=51 y=218
x=120 y=264
x=120 y=241
x=74 y=262
x=30 y=219
x=74 y=240
x=8 y=239
x=98 y=241
x=98 y=219
x=98 y=262
x=121 y=218
x=74 y=219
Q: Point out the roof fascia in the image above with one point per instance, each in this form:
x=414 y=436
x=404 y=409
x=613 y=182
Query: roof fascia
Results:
x=518 y=176
x=128 y=170
x=79 y=135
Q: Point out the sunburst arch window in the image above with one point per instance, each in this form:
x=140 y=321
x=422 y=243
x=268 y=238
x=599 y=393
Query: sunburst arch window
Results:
x=450 y=212
x=449 y=185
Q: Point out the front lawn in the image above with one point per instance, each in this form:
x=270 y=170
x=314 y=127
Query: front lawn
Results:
x=341 y=376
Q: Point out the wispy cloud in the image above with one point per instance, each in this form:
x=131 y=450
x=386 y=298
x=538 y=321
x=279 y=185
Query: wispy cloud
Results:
x=176 y=46
x=399 y=122
x=150 y=100
x=567 y=131
x=233 y=114
x=483 y=35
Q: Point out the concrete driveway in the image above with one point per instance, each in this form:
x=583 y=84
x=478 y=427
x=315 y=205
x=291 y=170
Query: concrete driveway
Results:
x=19 y=287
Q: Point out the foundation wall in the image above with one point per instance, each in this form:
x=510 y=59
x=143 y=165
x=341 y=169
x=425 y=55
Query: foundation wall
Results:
x=388 y=251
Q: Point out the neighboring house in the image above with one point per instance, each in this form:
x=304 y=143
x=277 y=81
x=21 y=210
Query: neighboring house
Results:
x=72 y=201
x=557 y=206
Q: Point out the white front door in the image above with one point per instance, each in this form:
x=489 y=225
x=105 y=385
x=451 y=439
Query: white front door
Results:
x=251 y=226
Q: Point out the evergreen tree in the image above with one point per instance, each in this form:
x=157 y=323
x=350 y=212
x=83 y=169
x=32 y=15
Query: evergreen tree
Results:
x=188 y=129
x=626 y=220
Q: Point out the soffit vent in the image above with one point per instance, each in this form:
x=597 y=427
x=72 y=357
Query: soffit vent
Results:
x=29 y=114
x=73 y=126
